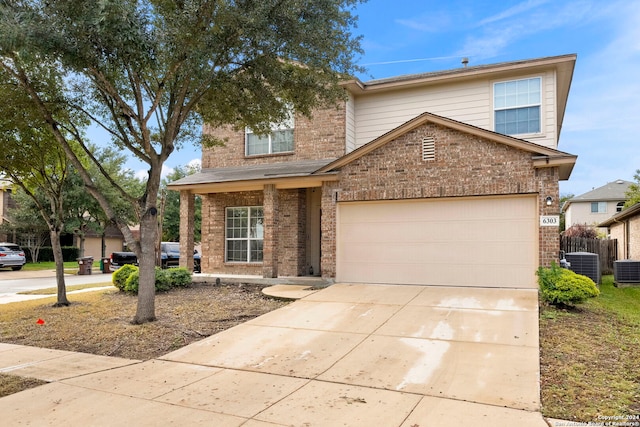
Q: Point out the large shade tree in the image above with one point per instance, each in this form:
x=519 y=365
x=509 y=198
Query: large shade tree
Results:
x=149 y=72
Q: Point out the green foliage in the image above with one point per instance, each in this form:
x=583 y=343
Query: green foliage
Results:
x=127 y=278
x=163 y=281
x=132 y=283
x=171 y=214
x=559 y=286
x=633 y=193
x=179 y=277
x=581 y=230
x=120 y=276
x=150 y=73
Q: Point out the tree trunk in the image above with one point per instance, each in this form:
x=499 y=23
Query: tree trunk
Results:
x=57 y=256
x=146 y=311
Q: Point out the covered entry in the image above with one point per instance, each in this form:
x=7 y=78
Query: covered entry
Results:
x=475 y=241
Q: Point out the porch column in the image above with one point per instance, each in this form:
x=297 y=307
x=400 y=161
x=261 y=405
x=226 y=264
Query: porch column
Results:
x=270 y=242
x=187 y=221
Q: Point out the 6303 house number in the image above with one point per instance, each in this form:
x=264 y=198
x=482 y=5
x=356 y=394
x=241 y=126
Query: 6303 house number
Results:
x=549 y=220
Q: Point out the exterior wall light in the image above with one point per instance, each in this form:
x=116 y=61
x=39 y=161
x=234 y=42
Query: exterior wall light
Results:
x=549 y=200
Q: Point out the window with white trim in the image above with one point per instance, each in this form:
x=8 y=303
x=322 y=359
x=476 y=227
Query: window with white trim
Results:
x=620 y=207
x=244 y=234
x=598 y=207
x=279 y=140
x=517 y=106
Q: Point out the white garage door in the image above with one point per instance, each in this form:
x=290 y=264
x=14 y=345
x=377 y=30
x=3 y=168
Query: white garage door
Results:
x=486 y=242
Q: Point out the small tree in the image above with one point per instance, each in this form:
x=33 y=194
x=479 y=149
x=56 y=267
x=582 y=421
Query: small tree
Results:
x=151 y=72
x=633 y=192
x=581 y=230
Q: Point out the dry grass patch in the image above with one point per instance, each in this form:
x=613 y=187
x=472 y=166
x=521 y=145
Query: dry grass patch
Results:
x=10 y=384
x=99 y=322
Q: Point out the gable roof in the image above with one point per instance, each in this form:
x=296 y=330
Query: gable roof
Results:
x=621 y=216
x=611 y=191
x=542 y=156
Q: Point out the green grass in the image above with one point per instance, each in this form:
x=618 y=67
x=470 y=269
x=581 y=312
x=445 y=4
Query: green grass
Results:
x=50 y=265
x=589 y=356
x=623 y=302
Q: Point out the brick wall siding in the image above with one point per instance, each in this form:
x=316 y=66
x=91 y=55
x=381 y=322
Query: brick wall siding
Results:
x=630 y=249
x=465 y=165
x=321 y=137
x=290 y=222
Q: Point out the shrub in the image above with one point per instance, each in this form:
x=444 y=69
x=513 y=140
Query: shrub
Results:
x=163 y=280
x=120 y=276
x=559 y=286
x=581 y=230
x=133 y=282
x=127 y=278
x=179 y=277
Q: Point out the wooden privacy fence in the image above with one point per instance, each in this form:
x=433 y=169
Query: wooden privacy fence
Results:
x=607 y=249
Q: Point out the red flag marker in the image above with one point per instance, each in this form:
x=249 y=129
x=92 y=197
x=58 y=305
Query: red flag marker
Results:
x=40 y=322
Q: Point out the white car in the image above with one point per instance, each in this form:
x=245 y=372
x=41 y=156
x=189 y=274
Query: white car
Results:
x=11 y=255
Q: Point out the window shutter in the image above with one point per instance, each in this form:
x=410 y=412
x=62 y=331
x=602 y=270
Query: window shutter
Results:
x=428 y=148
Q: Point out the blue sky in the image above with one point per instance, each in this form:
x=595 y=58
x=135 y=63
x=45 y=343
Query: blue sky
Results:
x=602 y=120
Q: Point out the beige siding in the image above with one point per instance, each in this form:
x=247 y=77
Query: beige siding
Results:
x=468 y=102
x=580 y=213
x=93 y=246
x=350 y=123
x=488 y=242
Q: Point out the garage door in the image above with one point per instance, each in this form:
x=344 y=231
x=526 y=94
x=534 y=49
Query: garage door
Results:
x=484 y=242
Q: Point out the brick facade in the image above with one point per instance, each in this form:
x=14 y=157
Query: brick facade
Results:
x=627 y=232
x=465 y=165
x=285 y=213
x=321 y=137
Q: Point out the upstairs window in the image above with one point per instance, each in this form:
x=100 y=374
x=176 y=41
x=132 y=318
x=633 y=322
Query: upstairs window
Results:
x=279 y=140
x=516 y=106
x=598 y=207
x=620 y=207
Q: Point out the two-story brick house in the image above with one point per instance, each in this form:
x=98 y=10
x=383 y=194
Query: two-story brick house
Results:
x=438 y=178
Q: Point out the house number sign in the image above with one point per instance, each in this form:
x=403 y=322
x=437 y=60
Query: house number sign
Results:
x=549 y=220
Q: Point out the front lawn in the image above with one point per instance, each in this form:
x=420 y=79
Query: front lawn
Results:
x=590 y=356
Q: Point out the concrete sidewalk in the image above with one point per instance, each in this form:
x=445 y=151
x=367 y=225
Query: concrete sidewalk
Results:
x=352 y=355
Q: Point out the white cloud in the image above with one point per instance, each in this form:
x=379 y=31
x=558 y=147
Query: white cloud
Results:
x=500 y=31
x=431 y=22
x=512 y=11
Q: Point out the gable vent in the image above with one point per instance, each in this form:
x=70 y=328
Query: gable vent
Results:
x=428 y=148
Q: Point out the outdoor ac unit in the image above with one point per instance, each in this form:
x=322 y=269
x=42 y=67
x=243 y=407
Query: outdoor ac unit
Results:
x=626 y=271
x=585 y=263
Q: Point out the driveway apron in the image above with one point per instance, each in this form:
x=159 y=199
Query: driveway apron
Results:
x=350 y=355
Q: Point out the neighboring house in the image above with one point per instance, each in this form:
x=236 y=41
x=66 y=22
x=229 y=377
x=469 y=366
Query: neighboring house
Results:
x=625 y=227
x=597 y=205
x=439 y=178
x=6 y=203
x=95 y=244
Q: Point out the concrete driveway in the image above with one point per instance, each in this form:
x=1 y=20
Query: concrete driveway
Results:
x=348 y=355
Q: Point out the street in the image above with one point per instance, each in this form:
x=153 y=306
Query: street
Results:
x=14 y=282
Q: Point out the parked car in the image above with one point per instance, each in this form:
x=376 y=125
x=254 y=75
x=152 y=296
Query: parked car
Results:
x=118 y=259
x=12 y=255
x=170 y=256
